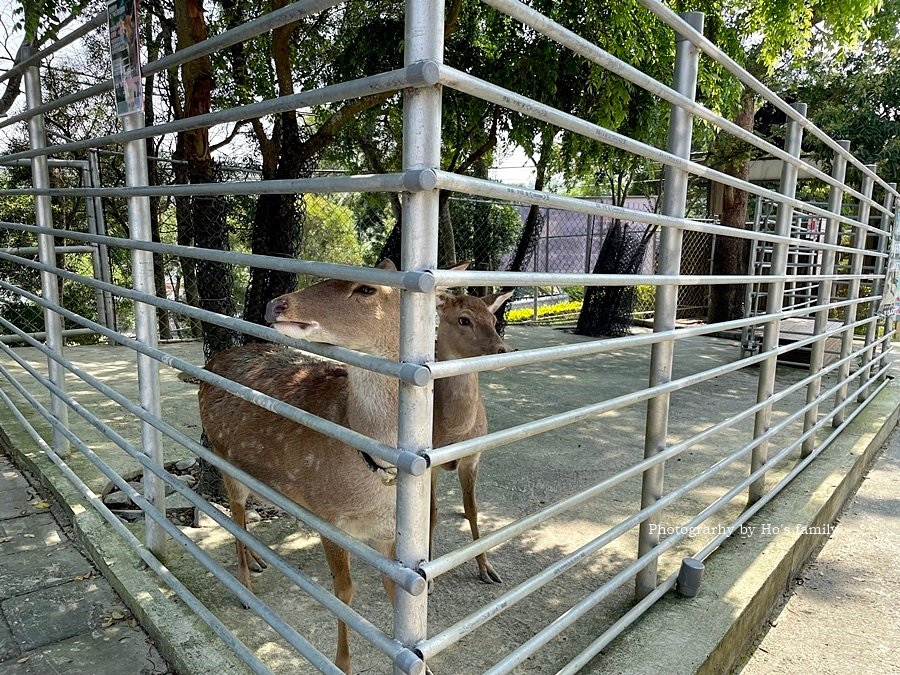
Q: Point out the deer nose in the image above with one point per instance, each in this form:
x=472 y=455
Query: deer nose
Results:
x=275 y=308
x=503 y=349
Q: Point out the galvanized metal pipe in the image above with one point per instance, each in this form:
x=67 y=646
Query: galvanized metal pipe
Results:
x=40 y=177
x=670 y=18
x=820 y=322
x=408 y=579
x=422 y=281
x=468 y=84
x=415 y=75
x=858 y=237
x=136 y=173
x=99 y=224
x=447 y=180
x=408 y=372
x=774 y=301
x=189 y=599
x=408 y=181
x=424 y=41
x=578 y=45
x=666 y=302
x=453 y=559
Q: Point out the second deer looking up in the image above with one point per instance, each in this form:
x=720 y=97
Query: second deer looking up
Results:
x=327 y=476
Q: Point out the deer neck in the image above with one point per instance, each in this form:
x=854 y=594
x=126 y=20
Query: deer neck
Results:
x=372 y=404
x=457 y=399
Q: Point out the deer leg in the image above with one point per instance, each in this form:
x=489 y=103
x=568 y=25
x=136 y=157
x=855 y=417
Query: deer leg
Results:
x=433 y=520
x=339 y=564
x=237 y=501
x=468 y=472
x=389 y=550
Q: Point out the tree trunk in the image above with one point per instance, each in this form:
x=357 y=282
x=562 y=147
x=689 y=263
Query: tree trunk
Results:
x=726 y=301
x=214 y=281
x=446 y=237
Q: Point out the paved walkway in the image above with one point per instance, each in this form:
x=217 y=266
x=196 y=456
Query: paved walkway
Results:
x=57 y=614
x=843 y=617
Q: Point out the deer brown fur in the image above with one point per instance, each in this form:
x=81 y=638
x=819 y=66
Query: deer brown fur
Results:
x=466 y=329
x=325 y=475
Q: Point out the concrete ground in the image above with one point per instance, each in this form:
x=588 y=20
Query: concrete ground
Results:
x=843 y=615
x=514 y=480
x=57 y=613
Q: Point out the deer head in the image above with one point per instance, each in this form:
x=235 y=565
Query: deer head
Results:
x=467 y=326
x=364 y=317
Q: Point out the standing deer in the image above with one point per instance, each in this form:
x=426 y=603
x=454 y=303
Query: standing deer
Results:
x=326 y=476
x=466 y=329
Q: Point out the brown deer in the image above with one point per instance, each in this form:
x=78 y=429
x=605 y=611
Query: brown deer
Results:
x=466 y=329
x=320 y=473
x=326 y=476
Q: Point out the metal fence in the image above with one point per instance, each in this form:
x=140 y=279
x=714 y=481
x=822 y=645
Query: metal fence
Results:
x=845 y=268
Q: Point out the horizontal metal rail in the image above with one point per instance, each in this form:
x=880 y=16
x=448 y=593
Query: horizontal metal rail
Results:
x=410 y=280
x=41 y=335
x=469 y=84
x=328 y=600
x=407 y=579
x=414 y=374
x=444 y=639
x=680 y=26
x=447 y=180
x=142 y=552
x=402 y=459
x=407 y=181
x=495 y=439
x=263 y=24
x=262 y=610
x=449 y=561
x=99 y=19
x=417 y=75
x=578 y=45
x=34 y=250
x=517 y=656
x=477 y=364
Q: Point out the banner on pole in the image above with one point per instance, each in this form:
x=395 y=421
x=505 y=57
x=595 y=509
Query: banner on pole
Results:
x=125 y=53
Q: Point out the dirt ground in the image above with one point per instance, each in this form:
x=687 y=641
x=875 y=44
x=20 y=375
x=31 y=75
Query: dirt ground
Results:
x=514 y=480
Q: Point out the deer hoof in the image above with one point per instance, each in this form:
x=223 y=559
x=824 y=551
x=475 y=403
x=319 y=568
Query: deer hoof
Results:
x=489 y=575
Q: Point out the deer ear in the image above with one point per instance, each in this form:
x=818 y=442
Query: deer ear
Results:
x=495 y=301
x=442 y=298
x=386 y=264
x=460 y=267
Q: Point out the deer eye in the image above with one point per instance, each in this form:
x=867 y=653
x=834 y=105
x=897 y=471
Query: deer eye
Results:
x=365 y=290
x=464 y=321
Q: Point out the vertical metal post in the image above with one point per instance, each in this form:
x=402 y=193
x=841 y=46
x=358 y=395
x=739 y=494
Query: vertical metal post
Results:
x=137 y=175
x=820 y=323
x=102 y=249
x=687 y=57
x=877 y=290
x=40 y=177
x=858 y=242
x=424 y=33
x=774 y=300
x=887 y=345
x=534 y=299
x=588 y=245
x=90 y=211
x=547 y=239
